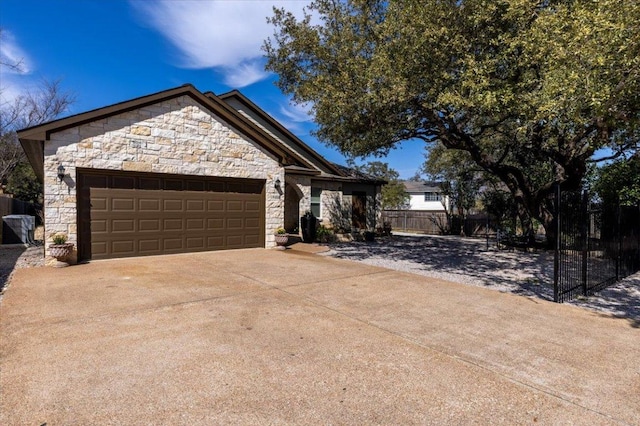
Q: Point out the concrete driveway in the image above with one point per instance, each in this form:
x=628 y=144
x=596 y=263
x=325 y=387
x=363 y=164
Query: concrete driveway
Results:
x=282 y=337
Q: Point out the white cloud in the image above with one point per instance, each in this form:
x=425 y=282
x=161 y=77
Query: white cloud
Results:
x=223 y=34
x=244 y=74
x=296 y=112
x=15 y=67
x=13 y=59
x=294 y=117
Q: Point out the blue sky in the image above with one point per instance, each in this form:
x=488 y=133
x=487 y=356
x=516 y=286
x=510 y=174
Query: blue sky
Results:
x=108 y=51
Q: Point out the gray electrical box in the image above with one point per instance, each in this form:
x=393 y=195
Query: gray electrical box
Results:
x=18 y=229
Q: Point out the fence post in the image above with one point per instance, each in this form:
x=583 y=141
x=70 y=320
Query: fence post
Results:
x=486 y=231
x=405 y=222
x=619 y=235
x=556 y=256
x=584 y=237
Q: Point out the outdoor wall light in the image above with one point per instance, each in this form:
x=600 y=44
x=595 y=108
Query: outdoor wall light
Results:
x=276 y=184
x=61 y=174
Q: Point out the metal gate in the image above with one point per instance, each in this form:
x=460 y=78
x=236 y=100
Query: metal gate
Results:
x=597 y=245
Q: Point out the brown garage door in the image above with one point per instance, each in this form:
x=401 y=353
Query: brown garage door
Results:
x=140 y=214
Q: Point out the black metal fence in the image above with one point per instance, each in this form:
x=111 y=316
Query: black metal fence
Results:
x=596 y=246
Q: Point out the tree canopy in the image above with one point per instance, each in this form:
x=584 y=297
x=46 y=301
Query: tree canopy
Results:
x=393 y=194
x=619 y=182
x=530 y=89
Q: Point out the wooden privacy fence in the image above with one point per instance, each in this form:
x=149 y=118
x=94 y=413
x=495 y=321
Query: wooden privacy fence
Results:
x=435 y=222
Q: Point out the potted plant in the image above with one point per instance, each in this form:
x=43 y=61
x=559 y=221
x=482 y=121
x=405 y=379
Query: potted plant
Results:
x=309 y=224
x=281 y=236
x=60 y=249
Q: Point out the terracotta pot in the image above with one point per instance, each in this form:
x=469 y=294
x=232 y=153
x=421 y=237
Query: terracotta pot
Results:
x=282 y=239
x=61 y=251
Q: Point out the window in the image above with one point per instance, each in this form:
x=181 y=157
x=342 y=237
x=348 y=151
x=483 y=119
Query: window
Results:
x=432 y=196
x=315 y=201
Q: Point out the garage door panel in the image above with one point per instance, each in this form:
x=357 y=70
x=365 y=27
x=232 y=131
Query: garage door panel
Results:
x=123 y=247
x=252 y=223
x=195 y=206
x=99 y=249
x=149 y=246
x=172 y=205
x=235 y=241
x=146 y=221
x=149 y=205
x=216 y=224
x=172 y=244
x=235 y=206
x=172 y=225
x=194 y=243
x=216 y=241
x=122 y=204
x=252 y=239
x=234 y=224
x=99 y=204
x=195 y=224
x=252 y=206
x=215 y=206
x=99 y=225
x=149 y=225
x=123 y=225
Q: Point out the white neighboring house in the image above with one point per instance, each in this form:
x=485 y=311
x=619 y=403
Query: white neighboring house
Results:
x=426 y=196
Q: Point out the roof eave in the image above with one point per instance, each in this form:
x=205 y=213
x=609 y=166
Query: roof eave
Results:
x=34 y=150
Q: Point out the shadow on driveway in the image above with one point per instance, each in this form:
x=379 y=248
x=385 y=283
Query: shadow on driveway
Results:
x=462 y=260
x=469 y=261
x=8 y=258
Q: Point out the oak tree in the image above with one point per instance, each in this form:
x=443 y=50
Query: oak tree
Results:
x=530 y=89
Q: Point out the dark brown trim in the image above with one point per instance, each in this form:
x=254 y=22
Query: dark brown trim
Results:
x=347 y=179
x=295 y=170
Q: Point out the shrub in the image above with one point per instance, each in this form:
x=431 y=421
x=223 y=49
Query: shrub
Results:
x=324 y=234
x=59 y=238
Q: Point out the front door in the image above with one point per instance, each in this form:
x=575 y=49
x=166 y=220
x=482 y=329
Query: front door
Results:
x=359 y=210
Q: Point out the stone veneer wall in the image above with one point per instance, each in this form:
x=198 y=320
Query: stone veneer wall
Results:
x=303 y=185
x=330 y=197
x=177 y=136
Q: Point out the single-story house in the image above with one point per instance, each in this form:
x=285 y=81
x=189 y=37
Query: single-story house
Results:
x=183 y=171
x=426 y=196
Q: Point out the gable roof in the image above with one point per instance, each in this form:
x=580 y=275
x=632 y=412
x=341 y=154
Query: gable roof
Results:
x=321 y=168
x=32 y=138
x=420 y=187
x=296 y=143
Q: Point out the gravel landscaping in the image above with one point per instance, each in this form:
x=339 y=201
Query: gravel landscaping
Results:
x=470 y=261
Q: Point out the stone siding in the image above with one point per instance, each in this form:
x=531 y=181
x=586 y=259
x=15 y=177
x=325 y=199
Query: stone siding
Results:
x=177 y=136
